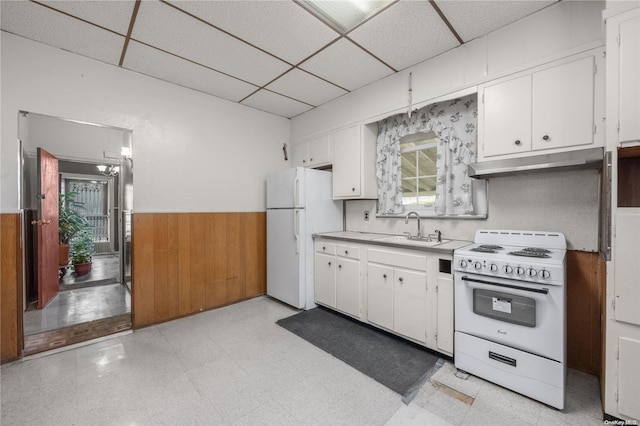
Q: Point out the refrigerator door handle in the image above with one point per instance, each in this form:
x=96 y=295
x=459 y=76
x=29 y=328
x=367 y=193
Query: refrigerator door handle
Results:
x=296 y=191
x=296 y=225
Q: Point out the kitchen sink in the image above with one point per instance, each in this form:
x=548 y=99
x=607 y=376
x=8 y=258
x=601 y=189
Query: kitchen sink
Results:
x=403 y=239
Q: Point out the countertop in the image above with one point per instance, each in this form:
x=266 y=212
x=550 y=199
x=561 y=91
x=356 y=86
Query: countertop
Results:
x=447 y=246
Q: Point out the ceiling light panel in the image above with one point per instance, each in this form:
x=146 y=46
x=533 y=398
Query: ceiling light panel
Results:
x=190 y=38
x=35 y=22
x=405 y=34
x=345 y=15
x=474 y=18
x=281 y=28
x=114 y=15
x=304 y=87
x=346 y=65
x=158 y=64
x=276 y=104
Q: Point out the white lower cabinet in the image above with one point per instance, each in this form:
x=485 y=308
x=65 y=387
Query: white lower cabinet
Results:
x=406 y=292
x=348 y=286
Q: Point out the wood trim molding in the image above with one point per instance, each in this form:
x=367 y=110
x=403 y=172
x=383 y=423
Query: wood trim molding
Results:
x=11 y=287
x=185 y=263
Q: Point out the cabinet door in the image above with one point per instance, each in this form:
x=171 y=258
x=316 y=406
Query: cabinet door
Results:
x=563 y=105
x=629 y=84
x=380 y=295
x=629 y=377
x=325 y=282
x=627 y=267
x=410 y=303
x=319 y=151
x=507 y=117
x=346 y=163
x=445 y=314
x=348 y=286
x=299 y=154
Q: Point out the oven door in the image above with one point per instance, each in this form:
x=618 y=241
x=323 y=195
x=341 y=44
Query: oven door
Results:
x=523 y=315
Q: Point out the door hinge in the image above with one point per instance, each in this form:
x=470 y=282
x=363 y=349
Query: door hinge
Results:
x=618 y=39
x=613 y=304
x=483 y=97
x=616 y=395
x=618 y=126
x=595 y=68
x=595 y=128
x=617 y=352
x=436 y=336
x=436 y=289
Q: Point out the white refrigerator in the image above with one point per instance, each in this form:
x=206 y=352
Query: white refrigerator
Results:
x=299 y=204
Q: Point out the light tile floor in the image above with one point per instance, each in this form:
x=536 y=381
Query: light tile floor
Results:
x=234 y=365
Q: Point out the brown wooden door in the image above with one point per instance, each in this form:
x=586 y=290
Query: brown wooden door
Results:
x=47 y=224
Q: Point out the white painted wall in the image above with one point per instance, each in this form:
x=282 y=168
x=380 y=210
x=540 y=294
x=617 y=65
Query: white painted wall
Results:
x=562 y=201
x=192 y=152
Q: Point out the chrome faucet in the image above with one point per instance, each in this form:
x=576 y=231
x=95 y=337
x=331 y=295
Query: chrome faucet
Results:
x=406 y=220
x=437 y=235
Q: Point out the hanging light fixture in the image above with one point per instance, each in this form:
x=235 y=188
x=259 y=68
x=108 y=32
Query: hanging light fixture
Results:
x=109 y=170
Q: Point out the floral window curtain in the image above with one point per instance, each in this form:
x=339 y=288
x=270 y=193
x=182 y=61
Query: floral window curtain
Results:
x=455 y=124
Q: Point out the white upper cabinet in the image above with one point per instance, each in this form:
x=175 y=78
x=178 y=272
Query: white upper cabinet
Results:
x=354 y=159
x=549 y=109
x=312 y=153
x=563 y=105
x=623 y=69
x=507 y=117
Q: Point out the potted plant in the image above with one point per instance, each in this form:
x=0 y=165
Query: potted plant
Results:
x=70 y=223
x=81 y=251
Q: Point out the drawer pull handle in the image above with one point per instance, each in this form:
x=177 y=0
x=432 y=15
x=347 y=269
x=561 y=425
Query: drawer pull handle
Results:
x=503 y=359
x=324 y=248
x=329 y=263
x=339 y=266
x=346 y=252
x=545 y=138
x=400 y=279
x=518 y=142
x=384 y=276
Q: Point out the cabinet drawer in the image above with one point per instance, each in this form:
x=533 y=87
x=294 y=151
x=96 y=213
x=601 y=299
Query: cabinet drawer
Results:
x=351 y=252
x=325 y=247
x=398 y=258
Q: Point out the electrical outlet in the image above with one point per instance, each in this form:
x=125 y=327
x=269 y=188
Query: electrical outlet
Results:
x=366 y=215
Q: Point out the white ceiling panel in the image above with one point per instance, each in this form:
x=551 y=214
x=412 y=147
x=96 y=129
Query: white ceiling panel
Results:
x=279 y=27
x=475 y=18
x=346 y=65
x=169 y=29
x=155 y=63
x=41 y=24
x=304 y=87
x=276 y=104
x=114 y=15
x=405 y=34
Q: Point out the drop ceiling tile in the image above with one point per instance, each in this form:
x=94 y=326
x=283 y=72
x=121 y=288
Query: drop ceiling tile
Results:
x=190 y=38
x=346 y=65
x=276 y=104
x=474 y=18
x=114 y=15
x=35 y=22
x=155 y=63
x=305 y=87
x=407 y=33
x=282 y=28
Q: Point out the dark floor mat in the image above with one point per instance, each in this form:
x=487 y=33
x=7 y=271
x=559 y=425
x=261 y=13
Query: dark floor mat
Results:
x=396 y=363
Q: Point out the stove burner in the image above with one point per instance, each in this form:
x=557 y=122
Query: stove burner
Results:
x=491 y=247
x=536 y=250
x=528 y=253
x=482 y=249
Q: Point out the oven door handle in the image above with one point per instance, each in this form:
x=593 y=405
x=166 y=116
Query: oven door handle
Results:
x=516 y=287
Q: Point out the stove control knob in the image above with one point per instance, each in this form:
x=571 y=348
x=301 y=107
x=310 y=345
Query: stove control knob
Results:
x=507 y=269
x=493 y=267
x=532 y=272
x=519 y=270
x=544 y=274
x=477 y=265
x=462 y=263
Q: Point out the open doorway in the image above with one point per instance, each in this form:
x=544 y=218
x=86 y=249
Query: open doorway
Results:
x=89 y=172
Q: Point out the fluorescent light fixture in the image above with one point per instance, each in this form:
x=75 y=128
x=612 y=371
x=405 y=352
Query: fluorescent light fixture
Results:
x=101 y=168
x=345 y=15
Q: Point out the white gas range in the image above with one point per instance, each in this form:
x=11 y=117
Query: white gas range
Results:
x=510 y=311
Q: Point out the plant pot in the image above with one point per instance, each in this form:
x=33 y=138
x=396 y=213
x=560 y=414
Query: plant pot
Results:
x=63 y=254
x=82 y=268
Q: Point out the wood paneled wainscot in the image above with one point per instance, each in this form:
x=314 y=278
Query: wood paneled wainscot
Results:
x=184 y=263
x=11 y=286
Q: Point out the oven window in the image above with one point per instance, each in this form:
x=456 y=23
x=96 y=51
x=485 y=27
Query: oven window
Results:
x=505 y=307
